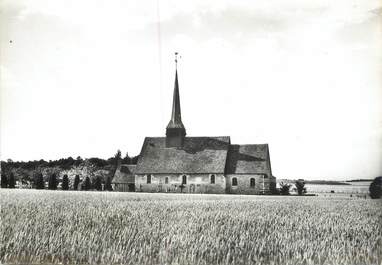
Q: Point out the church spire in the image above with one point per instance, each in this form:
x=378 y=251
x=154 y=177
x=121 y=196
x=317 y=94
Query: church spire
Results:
x=175 y=131
x=176 y=117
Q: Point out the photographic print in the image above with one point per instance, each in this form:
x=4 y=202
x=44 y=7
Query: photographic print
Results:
x=191 y=132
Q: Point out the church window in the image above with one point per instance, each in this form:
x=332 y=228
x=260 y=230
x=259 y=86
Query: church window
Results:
x=252 y=182
x=166 y=180
x=148 y=179
x=184 y=179
x=234 y=182
x=212 y=179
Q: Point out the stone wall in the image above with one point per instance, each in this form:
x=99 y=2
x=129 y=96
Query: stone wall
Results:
x=172 y=183
x=262 y=185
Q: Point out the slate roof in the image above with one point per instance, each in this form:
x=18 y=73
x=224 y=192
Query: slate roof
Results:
x=247 y=159
x=124 y=174
x=198 y=155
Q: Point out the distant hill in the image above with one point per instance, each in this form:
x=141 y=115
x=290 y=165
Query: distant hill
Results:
x=359 y=180
x=326 y=182
x=316 y=182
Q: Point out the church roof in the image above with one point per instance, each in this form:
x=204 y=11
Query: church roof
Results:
x=197 y=155
x=248 y=159
x=124 y=174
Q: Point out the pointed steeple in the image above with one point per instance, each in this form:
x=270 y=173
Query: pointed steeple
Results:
x=176 y=117
x=175 y=130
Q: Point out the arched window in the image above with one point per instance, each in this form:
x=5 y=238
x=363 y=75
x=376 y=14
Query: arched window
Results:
x=148 y=179
x=252 y=182
x=184 y=179
x=166 y=180
x=234 y=182
x=212 y=179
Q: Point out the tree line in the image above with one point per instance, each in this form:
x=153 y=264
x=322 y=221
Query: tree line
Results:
x=28 y=168
x=67 y=163
x=53 y=181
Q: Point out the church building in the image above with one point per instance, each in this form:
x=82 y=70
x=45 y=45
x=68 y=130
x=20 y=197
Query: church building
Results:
x=178 y=163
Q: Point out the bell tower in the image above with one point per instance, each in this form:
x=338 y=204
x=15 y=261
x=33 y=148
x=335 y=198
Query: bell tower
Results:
x=175 y=130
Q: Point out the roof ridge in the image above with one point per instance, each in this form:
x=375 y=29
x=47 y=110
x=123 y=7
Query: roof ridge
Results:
x=203 y=154
x=224 y=136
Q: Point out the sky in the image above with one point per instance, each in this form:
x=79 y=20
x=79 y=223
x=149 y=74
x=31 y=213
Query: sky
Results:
x=88 y=77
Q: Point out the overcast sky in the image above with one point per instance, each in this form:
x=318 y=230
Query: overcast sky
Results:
x=87 y=77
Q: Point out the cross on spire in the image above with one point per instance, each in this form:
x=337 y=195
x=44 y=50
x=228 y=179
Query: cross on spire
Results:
x=176 y=60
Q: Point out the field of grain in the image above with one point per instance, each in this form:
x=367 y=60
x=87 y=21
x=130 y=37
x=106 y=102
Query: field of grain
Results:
x=135 y=228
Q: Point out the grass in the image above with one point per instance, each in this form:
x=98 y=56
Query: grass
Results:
x=136 y=228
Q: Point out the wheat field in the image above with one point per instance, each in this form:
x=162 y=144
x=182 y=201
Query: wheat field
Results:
x=135 y=228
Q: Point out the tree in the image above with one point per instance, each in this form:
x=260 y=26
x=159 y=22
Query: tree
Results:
x=65 y=182
x=25 y=179
x=117 y=157
x=86 y=185
x=76 y=182
x=300 y=186
x=67 y=163
x=284 y=188
x=11 y=181
x=98 y=161
x=97 y=184
x=116 y=160
x=126 y=159
x=52 y=183
x=134 y=160
x=108 y=184
x=39 y=181
x=78 y=161
x=4 y=181
x=272 y=188
x=375 y=188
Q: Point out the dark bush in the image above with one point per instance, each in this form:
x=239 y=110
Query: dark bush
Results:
x=4 y=181
x=39 y=181
x=65 y=182
x=108 y=184
x=300 y=186
x=86 y=185
x=284 y=188
x=76 y=182
x=52 y=183
x=97 y=183
x=11 y=181
x=375 y=188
